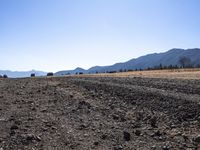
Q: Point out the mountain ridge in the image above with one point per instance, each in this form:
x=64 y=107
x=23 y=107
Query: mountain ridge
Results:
x=170 y=57
x=21 y=74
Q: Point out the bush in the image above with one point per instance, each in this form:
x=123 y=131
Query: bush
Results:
x=1 y=76
x=112 y=72
x=5 y=76
x=50 y=74
x=32 y=74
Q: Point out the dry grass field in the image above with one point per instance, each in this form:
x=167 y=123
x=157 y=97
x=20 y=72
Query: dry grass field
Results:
x=171 y=74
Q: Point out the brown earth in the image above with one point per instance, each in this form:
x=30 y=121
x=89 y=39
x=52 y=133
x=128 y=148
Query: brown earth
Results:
x=102 y=113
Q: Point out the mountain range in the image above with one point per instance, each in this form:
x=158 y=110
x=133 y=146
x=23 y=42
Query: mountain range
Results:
x=171 y=57
x=20 y=74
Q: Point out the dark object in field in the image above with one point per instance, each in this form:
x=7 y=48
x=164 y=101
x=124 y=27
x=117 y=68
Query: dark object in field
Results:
x=50 y=74
x=32 y=74
x=1 y=76
x=138 y=132
x=197 y=139
x=153 y=122
x=5 y=76
x=127 y=136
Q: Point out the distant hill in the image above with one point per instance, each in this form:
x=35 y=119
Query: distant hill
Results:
x=77 y=70
x=20 y=74
x=170 y=57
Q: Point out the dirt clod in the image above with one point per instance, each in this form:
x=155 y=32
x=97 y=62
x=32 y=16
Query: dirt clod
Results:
x=127 y=136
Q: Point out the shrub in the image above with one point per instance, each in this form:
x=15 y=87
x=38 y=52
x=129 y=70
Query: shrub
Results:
x=50 y=74
x=32 y=74
x=112 y=72
x=5 y=76
x=120 y=70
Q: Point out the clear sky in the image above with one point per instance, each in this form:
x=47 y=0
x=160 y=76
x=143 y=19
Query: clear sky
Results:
x=53 y=35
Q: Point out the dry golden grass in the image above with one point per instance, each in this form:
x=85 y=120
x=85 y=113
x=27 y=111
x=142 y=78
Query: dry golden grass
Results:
x=172 y=74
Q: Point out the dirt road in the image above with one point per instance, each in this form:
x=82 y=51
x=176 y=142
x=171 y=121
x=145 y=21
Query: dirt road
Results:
x=100 y=113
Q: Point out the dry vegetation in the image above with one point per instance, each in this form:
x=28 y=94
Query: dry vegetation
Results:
x=171 y=74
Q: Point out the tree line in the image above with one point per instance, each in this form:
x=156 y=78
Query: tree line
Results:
x=3 y=76
x=183 y=62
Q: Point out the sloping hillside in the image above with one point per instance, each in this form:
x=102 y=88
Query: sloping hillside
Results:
x=170 y=57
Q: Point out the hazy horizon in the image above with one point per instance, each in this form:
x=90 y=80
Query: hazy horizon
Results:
x=59 y=35
x=33 y=69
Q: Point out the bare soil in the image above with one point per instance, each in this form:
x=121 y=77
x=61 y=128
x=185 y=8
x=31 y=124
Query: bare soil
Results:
x=103 y=113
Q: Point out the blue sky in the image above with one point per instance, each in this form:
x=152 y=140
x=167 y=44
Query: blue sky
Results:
x=54 y=35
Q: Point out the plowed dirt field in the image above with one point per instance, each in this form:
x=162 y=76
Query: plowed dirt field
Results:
x=103 y=113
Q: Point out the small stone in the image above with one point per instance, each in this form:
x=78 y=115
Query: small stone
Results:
x=157 y=133
x=96 y=143
x=137 y=132
x=85 y=135
x=153 y=147
x=165 y=147
x=119 y=147
x=104 y=136
x=44 y=129
x=82 y=126
x=173 y=126
x=115 y=117
x=112 y=107
x=197 y=139
x=185 y=137
x=13 y=127
x=30 y=137
x=38 y=138
x=153 y=122
x=33 y=108
x=11 y=118
x=179 y=133
x=44 y=110
x=17 y=122
x=133 y=103
x=53 y=128
x=30 y=119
